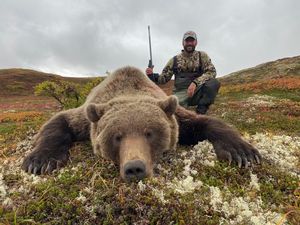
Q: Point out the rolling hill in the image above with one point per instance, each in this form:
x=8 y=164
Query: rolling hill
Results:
x=22 y=81
x=281 y=68
x=280 y=78
x=282 y=73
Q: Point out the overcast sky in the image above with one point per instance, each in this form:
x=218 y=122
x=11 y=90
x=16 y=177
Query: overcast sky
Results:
x=87 y=38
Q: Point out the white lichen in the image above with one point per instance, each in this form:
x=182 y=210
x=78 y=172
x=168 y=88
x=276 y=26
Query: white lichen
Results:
x=81 y=198
x=7 y=202
x=244 y=210
x=204 y=153
x=159 y=194
x=250 y=120
x=254 y=182
x=280 y=150
x=141 y=186
x=260 y=100
x=11 y=167
x=184 y=186
x=216 y=199
x=241 y=210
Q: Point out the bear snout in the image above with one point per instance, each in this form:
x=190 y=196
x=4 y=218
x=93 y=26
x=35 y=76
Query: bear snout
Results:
x=135 y=158
x=134 y=170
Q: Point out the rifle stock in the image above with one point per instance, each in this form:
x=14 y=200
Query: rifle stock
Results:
x=150 y=64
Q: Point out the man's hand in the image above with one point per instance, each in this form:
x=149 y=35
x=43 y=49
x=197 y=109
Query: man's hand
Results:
x=191 y=90
x=149 y=71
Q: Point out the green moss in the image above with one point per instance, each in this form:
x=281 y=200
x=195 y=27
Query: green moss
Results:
x=276 y=187
x=267 y=122
x=282 y=118
x=7 y=128
x=11 y=178
x=284 y=94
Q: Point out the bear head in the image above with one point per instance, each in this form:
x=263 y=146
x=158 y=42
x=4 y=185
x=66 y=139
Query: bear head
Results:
x=133 y=132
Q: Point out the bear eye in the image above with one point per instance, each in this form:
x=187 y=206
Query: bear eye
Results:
x=118 y=138
x=148 y=134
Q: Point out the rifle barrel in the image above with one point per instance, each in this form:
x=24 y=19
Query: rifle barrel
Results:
x=150 y=43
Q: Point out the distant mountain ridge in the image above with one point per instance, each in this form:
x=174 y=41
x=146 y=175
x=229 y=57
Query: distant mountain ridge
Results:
x=285 y=67
x=22 y=81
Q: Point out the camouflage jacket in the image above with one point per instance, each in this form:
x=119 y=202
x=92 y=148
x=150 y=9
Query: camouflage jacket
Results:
x=189 y=63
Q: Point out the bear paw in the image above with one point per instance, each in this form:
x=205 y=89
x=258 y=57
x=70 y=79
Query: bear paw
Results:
x=240 y=152
x=42 y=163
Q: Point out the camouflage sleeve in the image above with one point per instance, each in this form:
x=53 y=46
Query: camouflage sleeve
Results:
x=167 y=73
x=208 y=69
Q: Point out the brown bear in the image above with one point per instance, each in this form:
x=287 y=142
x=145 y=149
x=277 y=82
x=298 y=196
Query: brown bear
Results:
x=131 y=121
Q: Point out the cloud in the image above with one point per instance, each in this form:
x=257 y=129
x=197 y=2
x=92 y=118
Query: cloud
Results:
x=91 y=37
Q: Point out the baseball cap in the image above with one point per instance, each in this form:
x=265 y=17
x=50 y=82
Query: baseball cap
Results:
x=188 y=34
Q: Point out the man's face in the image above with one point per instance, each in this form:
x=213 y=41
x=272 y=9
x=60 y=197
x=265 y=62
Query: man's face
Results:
x=189 y=44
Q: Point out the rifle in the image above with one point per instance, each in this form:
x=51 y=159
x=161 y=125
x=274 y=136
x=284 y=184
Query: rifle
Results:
x=150 y=64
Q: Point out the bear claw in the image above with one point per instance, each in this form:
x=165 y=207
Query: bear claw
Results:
x=37 y=164
x=243 y=155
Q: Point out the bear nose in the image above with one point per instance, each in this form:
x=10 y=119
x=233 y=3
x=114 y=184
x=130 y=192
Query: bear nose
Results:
x=134 y=170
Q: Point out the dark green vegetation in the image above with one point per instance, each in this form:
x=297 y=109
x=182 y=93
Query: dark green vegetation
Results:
x=89 y=190
x=67 y=94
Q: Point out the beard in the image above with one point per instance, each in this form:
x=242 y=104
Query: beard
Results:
x=189 y=48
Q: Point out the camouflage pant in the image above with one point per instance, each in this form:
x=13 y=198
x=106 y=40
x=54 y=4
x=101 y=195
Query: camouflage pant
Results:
x=204 y=94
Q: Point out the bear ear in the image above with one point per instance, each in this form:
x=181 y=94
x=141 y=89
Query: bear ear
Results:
x=169 y=105
x=94 y=112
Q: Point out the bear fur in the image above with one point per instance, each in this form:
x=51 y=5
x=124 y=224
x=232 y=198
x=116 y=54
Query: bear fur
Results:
x=131 y=121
